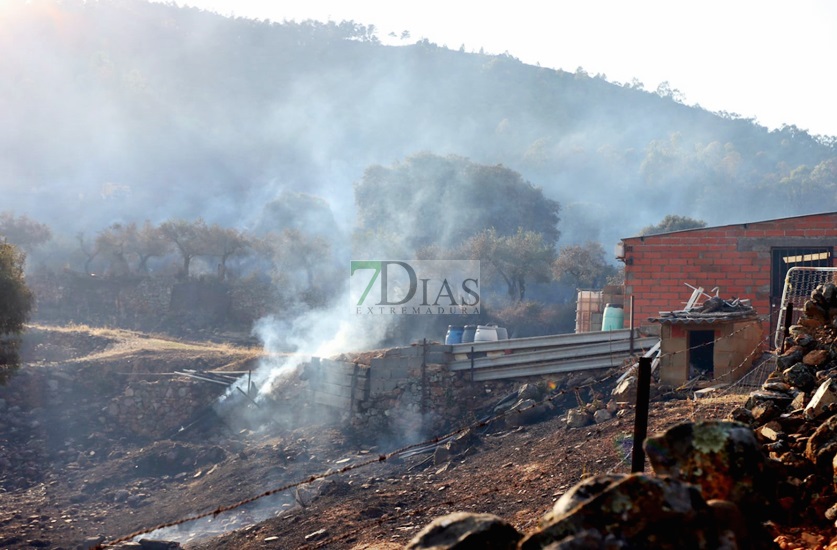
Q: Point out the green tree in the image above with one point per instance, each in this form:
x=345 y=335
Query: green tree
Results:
x=433 y=200
x=190 y=238
x=301 y=265
x=672 y=223
x=516 y=259
x=224 y=243
x=583 y=266
x=113 y=243
x=147 y=242
x=90 y=251
x=23 y=231
x=16 y=302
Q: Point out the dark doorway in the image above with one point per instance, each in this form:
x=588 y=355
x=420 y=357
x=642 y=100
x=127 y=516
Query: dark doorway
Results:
x=701 y=353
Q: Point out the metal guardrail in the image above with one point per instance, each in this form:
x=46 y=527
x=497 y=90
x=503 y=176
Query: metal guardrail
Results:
x=551 y=341
x=547 y=354
x=568 y=353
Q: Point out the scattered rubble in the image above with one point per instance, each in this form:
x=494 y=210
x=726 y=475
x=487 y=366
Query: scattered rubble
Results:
x=720 y=483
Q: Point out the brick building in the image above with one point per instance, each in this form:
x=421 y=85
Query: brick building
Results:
x=746 y=260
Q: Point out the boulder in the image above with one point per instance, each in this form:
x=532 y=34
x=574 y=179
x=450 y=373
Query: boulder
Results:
x=463 y=530
x=722 y=458
x=637 y=511
x=578 y=418
x=625 y=391
x=822 y=445
x=815 y=358
x=800 y=376
x=526 y=411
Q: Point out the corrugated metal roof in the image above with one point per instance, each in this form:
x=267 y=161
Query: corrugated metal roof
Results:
x=714 y=310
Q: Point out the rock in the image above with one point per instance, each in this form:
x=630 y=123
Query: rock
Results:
x=815 y=358
x=529 y=391
x=601 y=415
x=524 y=412
x=630 y=513
x=774 y=384
x=770 y=432
x=822 y=445
x=765 y=412
x=625 y=391
x=722 y=458
x=577 y=418
x=824 y=396
x=463 y=530
x=92 y=542
x=800 y=376
x=441 y=455
x=740 y=414
x=583 y=491
x=788 y=359
x=463 y=442
x=781 y=399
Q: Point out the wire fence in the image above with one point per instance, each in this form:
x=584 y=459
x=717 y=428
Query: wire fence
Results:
x=719 y=405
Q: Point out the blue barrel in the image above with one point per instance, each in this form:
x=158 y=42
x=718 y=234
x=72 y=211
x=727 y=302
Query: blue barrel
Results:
x=454 y=335
x=468 y=334
x=613 y=317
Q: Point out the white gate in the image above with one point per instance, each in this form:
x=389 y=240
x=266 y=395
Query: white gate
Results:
x=799 y=282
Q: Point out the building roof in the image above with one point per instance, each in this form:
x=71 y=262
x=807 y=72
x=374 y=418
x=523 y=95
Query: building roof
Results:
x=731 y=225
x=713 y=310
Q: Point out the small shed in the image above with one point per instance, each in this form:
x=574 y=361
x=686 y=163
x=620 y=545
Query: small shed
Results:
x=718 y=341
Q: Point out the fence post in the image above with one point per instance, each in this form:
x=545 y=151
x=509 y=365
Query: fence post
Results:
x=631 y=322
x=472 y=363
x=643 y=395
x=787 y=324
x=424 y=387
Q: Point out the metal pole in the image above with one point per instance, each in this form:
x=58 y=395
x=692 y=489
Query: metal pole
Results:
x=472 y=363
x=643 y=394
x=423 y=377
x=787 y=323
x=631 y=322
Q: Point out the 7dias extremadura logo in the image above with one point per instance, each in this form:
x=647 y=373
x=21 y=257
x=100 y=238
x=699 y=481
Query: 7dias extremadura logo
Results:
x=415 y=287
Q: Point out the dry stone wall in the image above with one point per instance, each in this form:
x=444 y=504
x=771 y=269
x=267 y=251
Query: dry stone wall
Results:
x=159 y=408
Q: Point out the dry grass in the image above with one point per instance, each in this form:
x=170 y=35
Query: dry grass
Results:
x=126 y=342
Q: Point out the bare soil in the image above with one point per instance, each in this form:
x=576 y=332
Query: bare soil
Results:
x=73 y=481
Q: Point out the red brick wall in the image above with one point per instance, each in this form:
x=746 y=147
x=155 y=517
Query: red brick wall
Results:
x=736 y=258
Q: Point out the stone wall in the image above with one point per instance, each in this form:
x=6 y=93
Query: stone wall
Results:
x=159 y=408
x=395 y=395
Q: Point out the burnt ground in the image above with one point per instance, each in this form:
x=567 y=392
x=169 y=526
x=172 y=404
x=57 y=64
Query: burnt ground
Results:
x=69 y=478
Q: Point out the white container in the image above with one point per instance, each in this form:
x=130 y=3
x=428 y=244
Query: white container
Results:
x=485 y=334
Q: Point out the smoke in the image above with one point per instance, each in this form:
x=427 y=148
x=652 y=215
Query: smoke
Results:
x=290 y=342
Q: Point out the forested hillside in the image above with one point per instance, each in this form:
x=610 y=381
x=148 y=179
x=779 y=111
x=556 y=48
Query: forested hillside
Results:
x=123 y=111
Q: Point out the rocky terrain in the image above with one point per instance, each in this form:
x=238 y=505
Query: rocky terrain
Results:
x=81 y=465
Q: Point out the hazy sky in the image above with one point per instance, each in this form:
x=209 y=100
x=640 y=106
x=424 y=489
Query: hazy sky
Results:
x=772 y=60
